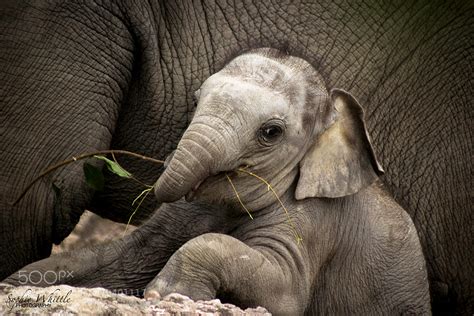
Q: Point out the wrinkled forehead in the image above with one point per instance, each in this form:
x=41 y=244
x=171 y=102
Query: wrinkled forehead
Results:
x=222 y=88
x=266 y=72
x=259 y=68
x=257 y=79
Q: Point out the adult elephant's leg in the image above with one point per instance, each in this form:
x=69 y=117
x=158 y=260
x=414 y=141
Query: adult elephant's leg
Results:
x=129 y=263
x=65 y=69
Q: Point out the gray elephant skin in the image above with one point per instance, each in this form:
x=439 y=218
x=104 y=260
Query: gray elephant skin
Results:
x=324 y=239
x=81 y=77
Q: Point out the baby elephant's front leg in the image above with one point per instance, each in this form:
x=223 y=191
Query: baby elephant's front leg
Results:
x=214 y=264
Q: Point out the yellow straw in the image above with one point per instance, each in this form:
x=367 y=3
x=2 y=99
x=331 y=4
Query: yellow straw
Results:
x=238 y=196
x=270 y=188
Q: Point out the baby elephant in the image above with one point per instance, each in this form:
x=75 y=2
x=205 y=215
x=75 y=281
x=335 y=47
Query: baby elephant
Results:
x=267 y=138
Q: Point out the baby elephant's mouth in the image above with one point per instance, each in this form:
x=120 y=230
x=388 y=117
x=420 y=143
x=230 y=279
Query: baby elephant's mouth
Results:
x=205 y=183
x=191 y=194
x=213 y=180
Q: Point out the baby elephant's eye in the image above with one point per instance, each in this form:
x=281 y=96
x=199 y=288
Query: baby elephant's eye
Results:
x=271 y=132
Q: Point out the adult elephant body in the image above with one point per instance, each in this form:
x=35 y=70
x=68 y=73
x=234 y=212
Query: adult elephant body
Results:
x=84 y=77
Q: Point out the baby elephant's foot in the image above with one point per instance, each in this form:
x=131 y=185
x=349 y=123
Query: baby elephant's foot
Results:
x=168 y=282
x=184 y=273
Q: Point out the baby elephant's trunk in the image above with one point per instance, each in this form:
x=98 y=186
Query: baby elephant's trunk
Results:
x=195 y=159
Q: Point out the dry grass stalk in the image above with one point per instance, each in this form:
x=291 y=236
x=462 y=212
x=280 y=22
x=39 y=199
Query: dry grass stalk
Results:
x=298 y=237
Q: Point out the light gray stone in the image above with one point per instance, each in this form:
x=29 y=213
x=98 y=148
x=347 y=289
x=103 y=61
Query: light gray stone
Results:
x=67 y=300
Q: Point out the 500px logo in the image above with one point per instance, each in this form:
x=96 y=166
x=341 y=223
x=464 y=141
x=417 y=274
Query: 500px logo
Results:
x=49 y=277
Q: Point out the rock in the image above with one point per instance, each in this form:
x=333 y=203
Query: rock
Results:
x=68 y=300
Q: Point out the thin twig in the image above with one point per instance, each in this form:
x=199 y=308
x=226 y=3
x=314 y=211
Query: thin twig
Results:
x=80 y=157
x=136 y=209
x=238 y=196
x=270 y=188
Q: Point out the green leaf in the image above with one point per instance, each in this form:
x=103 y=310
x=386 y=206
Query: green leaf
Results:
x=94 y=177
x=114 y=167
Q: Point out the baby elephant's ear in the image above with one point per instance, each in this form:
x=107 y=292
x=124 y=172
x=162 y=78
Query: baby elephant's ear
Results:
x=342 y=160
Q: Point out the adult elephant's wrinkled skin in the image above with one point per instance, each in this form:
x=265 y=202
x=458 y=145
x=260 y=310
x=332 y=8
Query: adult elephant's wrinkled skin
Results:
x=81 y=77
